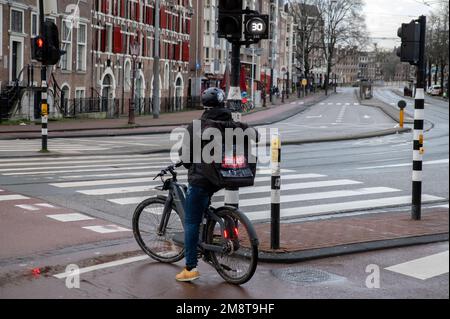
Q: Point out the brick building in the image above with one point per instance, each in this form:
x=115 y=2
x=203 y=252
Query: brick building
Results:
x=96 y=73
x=20 y=76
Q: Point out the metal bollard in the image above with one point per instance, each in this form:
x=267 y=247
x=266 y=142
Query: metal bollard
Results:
x=276 y=192
x=402 y=106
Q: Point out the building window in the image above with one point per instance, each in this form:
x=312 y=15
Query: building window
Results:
x=66 y=59
x=34 y=24
x=16 y=21
x=80 y=93
x=127 y=76
x=81 y=48
x=109 y=38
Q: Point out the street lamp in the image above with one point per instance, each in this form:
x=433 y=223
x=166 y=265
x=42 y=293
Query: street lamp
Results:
x=134 y=48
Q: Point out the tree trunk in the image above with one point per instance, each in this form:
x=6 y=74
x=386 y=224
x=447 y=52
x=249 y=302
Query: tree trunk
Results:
x=430 y=65
x=436 y=74
x=442 y=77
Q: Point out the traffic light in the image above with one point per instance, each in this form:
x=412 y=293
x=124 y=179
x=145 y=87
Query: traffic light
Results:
x=230 y=19
x=38 y=48
x=409 y=50
x=45 y=47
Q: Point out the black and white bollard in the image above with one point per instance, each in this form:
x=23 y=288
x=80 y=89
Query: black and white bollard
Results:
x=275 y=192
x=419 y=116
x=44 y=110
x=419 y=120
x=232 y=197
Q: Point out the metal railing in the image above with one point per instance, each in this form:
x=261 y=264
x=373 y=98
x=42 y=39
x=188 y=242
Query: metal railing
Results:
x=114 y=108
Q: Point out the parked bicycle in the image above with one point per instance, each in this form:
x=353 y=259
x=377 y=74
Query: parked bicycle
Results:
x=227 y=239
x=247 y=105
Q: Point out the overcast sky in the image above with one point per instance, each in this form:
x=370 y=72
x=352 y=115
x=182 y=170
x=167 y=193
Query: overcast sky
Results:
x=384 y=17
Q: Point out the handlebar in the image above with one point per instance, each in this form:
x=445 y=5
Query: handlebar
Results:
x=170 y=169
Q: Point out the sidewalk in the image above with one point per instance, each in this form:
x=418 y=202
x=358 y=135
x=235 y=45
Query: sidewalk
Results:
x=46 y=227
x=148 y=125
x=352 y=234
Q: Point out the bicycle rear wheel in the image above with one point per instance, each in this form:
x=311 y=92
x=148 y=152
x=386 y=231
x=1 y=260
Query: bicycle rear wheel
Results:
x=237 y=264
x=164 y=245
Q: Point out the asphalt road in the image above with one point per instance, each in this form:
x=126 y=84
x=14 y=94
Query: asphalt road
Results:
x=323 y=178
x=414 y=272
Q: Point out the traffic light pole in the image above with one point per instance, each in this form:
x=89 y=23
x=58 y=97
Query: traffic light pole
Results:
x=234 y=102
x=419 y=116
x=44 y=105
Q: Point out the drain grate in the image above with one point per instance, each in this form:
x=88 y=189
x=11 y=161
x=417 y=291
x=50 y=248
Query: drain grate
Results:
x=305 y=275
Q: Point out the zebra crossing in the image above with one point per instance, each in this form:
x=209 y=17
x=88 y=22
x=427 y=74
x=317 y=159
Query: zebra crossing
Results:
x=76 y=145
x=124 y=181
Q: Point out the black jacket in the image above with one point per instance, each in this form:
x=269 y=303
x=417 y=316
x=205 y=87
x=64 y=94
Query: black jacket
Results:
x=201 y=174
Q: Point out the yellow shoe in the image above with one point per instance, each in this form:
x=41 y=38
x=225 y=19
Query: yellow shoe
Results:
x=186 y=275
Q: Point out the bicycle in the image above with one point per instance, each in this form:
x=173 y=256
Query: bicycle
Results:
x=248 y=106
x=227 y=239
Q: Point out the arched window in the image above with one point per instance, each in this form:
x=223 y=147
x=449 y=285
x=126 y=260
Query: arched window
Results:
x=166 y=77
x=127 y=76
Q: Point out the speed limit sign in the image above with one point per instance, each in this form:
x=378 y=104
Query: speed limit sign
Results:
x=257 y=27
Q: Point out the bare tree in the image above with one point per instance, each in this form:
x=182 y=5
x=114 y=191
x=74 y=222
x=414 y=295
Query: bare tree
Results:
x=309 y=24
x=344 y=26
x=437 y=44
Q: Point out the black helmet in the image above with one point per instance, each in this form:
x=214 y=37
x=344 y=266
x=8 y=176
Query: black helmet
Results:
x=213 y=97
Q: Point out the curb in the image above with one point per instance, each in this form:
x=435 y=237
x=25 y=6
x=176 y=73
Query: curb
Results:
x=385 y=108
x=30 y=135
x=319 y=253
x=286 y=142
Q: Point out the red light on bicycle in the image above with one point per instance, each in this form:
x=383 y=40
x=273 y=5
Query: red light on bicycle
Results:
x=36 y=272
x=225 y=234
x=236 y=231
x=234 y=162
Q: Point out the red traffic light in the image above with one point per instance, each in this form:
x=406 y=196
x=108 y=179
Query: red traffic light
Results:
x=40 y=43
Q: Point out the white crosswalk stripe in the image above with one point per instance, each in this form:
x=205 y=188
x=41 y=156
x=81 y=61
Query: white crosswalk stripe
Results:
x=424 y=268
x=76 y=146
x=128 y=180
x=4 y=198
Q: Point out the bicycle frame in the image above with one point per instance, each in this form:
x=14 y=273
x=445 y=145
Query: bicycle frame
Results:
x=177 y=196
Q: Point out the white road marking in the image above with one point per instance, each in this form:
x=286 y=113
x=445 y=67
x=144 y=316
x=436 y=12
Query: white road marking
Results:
x=103 y=266
x=112 y=168
x=339 y=207
x=150 y=180
x=45 y=205
x=321 y=195
x=75 y=217
x=444 y=161
x=249 y=190
x=424 y=268
x=314 y=117
x=39 y=160
x=440 y=206
x=28 y=207
x=107 y=229
x=12 y=197
x=118 y=163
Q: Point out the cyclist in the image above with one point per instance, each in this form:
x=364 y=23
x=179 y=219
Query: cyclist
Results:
x=200 y=188
x=202 y=182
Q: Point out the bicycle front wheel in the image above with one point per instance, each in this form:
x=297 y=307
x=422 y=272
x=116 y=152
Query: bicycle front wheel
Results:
x=158 y=232
x=237 y=263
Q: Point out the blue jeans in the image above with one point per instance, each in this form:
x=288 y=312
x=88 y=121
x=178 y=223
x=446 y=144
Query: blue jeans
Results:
x=197 y=200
